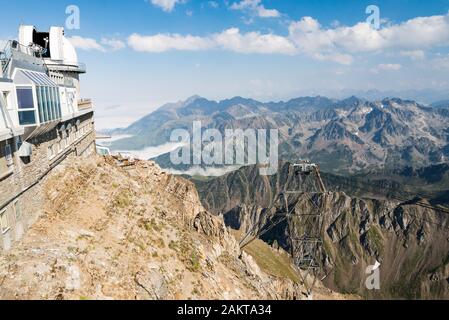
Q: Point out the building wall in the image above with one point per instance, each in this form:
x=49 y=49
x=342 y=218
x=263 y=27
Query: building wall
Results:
x=21 y=192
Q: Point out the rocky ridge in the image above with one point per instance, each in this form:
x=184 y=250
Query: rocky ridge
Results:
x=127 y=230
x=350 y=135
x=410 y=242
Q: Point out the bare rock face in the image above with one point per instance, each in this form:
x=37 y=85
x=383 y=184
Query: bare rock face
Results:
x=347 y=135
x=131 y=231
x=409 y=240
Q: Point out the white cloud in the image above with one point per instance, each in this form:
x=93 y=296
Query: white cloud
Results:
x=340 y=58
x=389 y=66
x=90 y=44
x=166 y=5
x=414 y=54
x=152 y=152
x=231 y=40
x=440 y=62
x=267 y=13
x=167 y=42
x=114 y=44
x=413 y=35
x=87 y=44
x=386 y=67
x=213 y=4
x=255 y=7
x=253 y=42
x=204 y=172
x=338 y=44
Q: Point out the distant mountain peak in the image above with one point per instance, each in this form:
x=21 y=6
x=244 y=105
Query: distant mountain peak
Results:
x=192 y=99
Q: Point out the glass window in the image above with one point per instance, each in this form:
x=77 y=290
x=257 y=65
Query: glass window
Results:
x=45 y=104
x=58 y=104
x=40 y=105
x=25 y=98
x=49 y=103
x=27 y=118
x=56 y=95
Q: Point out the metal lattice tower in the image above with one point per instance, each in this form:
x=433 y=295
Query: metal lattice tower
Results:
x=307 y=242
x=306 y=229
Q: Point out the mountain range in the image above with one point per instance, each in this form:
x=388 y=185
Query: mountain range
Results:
x=408 y=237
x=349 y=135
x=384 y=164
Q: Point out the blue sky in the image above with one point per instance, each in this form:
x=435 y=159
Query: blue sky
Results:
x=141 y=54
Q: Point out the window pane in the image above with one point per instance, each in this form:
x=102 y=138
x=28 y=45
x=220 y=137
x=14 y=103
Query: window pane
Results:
x=53 y=103
x=58 y=104
x=27 y=117
x=47 y=102
x=40 y=105
x=25 y=98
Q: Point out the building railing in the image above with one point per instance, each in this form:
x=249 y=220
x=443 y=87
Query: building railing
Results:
x=12 y=46
x=36 y=51
x=85 y=104
x=67 y=66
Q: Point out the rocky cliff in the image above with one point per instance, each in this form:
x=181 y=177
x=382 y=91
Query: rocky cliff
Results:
x=114 y=229
x=411 y=242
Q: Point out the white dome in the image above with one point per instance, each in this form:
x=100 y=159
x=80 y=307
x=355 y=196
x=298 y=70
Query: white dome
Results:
x=60 y=47
x=69 y=52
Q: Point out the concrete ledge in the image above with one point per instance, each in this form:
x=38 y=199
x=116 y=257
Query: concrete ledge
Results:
x=77 y=114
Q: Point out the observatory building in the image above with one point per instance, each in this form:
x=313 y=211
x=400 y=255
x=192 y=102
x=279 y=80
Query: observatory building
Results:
x=43 y=122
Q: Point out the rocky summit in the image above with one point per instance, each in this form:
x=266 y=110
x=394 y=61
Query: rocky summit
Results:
x=118 y=229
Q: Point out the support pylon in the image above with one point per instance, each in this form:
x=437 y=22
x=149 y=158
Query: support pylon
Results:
x=306 y=229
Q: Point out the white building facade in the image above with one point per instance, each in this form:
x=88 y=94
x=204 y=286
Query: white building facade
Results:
x=43 y=121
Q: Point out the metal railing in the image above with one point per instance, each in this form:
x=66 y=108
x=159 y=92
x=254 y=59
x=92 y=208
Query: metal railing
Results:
x=67 y=66
x=5 y=58
x=84 y=104
x=12 y=46
x=35 y=51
